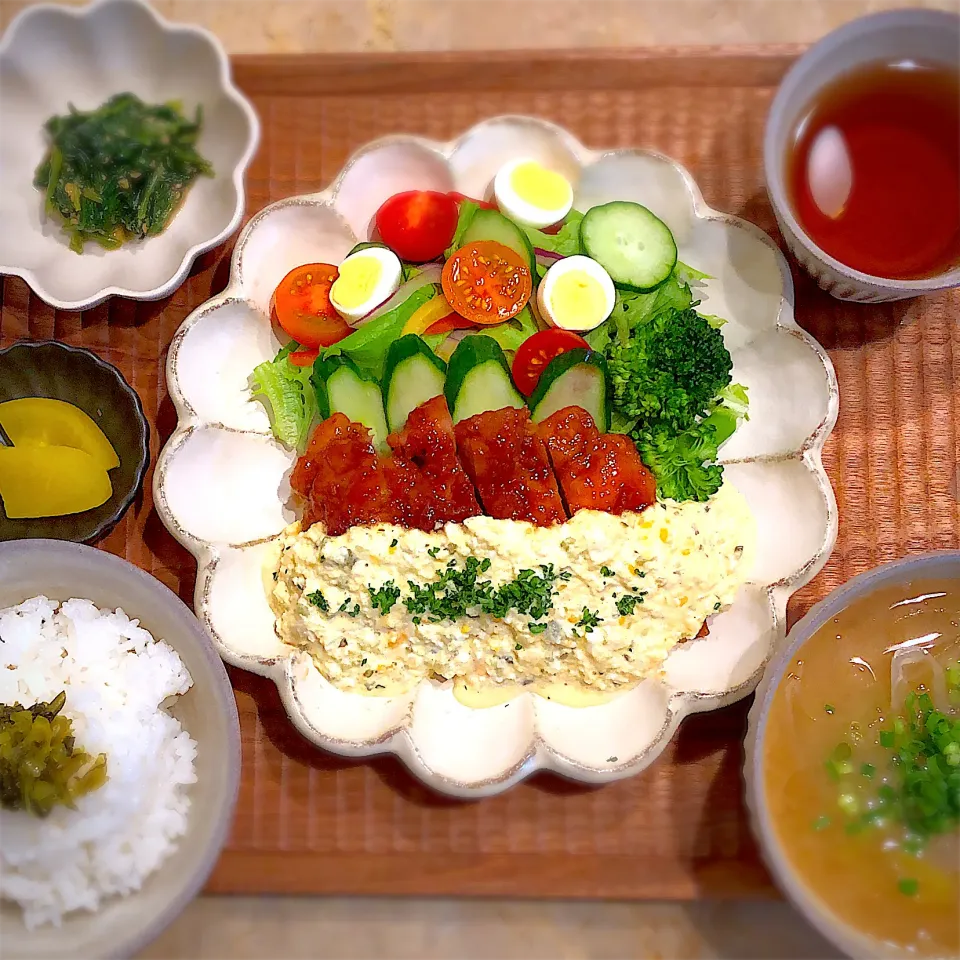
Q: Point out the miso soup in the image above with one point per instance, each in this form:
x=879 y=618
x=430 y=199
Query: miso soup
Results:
x=862 y=766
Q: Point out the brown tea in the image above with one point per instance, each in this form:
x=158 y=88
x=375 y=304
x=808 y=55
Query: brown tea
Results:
x=874 y=170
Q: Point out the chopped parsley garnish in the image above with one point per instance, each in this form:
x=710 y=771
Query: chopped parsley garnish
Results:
x=318 y=600
x=605 y=571
x=828 y=708
x=433 y=551
x=519 y=646
x=384 y=598
x=346 y=603
x=536 y=628
x=393 y=542
x=589 y=619
x=460 y=591
x=627 y=603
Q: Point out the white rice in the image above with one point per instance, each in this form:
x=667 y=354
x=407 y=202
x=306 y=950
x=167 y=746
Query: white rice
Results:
x=116 y=677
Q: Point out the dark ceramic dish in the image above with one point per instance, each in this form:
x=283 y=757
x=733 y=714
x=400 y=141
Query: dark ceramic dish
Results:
x=46 y=368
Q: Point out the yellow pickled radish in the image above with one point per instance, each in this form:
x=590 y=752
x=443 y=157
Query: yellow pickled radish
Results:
x=54 y=423
x=43 y=481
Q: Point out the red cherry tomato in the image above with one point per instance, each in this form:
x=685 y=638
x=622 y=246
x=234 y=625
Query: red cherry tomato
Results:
x=303 y=358
x=418 y=225
x=487 y=282
x=452 y=321
x=536 y=352
x=483 y=204
x=302 y=305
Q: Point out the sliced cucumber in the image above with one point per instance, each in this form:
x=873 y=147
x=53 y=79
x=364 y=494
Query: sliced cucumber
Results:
x=478 y=379
x=633 y=245
x=341 y=388
x=413 y=374
x=577 y=378
x=493 y=225
x=365 y=245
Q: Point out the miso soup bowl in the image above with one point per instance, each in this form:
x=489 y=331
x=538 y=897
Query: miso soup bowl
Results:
x=927 y=35
x=817 y=910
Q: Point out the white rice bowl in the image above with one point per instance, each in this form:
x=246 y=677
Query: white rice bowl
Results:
x=117 y=679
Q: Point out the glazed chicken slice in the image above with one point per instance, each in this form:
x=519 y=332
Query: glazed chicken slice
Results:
x=507 y=461
x=425 y=473
x=342 y=480
x=595 y=471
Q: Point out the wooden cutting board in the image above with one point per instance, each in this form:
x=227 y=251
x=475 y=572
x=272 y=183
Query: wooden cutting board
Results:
x=311 y=823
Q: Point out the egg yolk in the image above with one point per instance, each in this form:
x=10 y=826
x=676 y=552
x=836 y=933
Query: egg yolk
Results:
x=357 y=281
x=577 y=297
x=543 y=188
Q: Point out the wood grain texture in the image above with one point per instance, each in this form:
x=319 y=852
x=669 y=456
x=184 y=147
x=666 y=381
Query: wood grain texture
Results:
x=311 y=823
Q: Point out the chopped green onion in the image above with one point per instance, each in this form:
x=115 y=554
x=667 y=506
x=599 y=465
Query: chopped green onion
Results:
x=908 y=887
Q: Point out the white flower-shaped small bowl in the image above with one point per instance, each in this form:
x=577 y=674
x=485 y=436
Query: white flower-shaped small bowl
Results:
x=52 y=57
x=222 y=488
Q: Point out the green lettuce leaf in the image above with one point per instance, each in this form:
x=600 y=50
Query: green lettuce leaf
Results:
x=511 y=333
x=566 y=242
x=468 y=210
x=367 y=346
x=289 y=397
x=689 y=275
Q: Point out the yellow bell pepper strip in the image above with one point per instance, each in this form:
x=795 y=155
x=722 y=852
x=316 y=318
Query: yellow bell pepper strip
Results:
x=426 y=315
x=54 y=423
x=44 y=481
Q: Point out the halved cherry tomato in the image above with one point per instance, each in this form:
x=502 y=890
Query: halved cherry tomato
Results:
x=452 y=321
x=303 y=358
x=487 y=282
x=418 y=225
x=536 y=352
x=482 y=204
x=303 y=308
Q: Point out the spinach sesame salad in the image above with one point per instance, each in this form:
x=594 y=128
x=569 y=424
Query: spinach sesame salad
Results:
x=119 y=172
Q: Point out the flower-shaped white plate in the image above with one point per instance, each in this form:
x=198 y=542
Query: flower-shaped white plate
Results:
x=52 y=57
x=221 y=485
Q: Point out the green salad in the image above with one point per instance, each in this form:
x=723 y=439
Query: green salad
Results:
x=594 y=311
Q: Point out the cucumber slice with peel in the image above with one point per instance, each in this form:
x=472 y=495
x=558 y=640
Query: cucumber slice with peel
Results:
x=577 y=378
x=478 y=379
x=413 y=374
x=632 y=244
x=492 y=225
x=340 y=387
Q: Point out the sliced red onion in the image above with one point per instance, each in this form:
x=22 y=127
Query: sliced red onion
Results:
x=550 y=255
x=431 y=273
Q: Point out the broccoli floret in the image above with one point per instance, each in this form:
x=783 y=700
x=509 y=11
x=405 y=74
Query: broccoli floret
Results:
x=669 y=370
x=682 y=462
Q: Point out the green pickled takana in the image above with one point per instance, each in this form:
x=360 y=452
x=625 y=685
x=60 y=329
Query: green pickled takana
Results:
x=40 y=763
x=119 y=172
